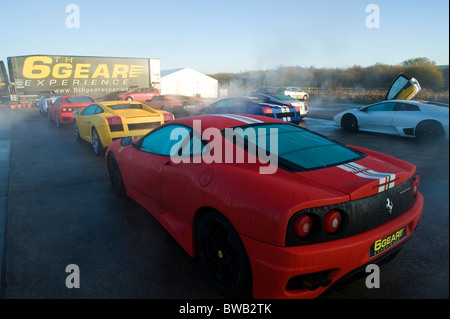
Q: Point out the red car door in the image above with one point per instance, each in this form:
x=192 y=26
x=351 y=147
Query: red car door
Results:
x=145 y=165
x=142 y=175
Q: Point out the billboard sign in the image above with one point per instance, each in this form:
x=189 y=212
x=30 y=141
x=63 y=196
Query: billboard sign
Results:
x=66 y=75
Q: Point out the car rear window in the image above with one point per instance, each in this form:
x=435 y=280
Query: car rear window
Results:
x=125 y=106
x=80 y=99
x=298 y=149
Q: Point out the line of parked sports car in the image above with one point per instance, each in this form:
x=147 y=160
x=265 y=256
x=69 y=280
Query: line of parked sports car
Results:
x=326 y=212
x=140 y=110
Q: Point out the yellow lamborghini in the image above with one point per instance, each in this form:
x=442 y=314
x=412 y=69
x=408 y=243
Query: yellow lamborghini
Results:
x=102 y=123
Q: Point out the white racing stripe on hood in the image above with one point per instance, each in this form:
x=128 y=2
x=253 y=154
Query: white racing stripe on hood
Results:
x=386 y=180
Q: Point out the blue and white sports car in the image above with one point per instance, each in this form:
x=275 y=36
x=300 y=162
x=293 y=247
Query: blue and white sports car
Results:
x=283 y=100
x=254 y=106
x=397 y=115
x=43 y=102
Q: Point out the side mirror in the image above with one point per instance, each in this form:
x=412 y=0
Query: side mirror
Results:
x=76 y=112
x=126 y=141
x=49 y=102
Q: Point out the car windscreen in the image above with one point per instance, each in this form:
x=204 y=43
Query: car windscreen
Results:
x=80 y=99
x=298 y=149
x=125 y=106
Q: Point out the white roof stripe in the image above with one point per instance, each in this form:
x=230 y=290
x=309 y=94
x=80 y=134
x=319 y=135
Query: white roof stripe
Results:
x=244 y=119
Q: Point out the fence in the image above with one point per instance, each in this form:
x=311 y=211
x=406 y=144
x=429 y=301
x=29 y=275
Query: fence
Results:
x=367 y=95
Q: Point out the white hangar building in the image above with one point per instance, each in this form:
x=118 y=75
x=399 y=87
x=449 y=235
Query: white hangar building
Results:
x=189 y=82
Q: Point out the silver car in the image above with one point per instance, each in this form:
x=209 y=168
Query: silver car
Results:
x=425 y=121
x=294 y=92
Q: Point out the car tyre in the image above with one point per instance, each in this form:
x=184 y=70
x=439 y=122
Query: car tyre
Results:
x=57 y=120
x=115 y=177
x=349 y=123
x=97 y=143
x=223 y=255
x=76 y=130
x=429 y=132
x=129 y=98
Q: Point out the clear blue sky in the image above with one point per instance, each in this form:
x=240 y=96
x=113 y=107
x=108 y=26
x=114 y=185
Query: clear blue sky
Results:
x=231 y=36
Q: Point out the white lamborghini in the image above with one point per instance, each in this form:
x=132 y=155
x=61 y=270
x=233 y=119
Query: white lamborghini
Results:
x=398 y=115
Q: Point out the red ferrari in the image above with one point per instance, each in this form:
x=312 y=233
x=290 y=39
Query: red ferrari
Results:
x=271 y=209
x=61 y=111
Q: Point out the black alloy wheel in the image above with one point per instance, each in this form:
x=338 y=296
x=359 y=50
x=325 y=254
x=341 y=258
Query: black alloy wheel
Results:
x=223 y=256
x=349 y=123
x=115 y=177
x=429 y=132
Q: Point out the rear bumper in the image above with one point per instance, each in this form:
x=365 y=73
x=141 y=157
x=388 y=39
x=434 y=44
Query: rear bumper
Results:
x=66 y=117
x=276 y=268
x=107 y=137
x=288 y=116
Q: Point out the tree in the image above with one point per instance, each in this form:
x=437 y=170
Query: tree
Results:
x=426 y=72
x=377 y=76
x=418 y=61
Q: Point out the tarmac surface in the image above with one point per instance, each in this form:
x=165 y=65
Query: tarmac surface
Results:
x=57 y=209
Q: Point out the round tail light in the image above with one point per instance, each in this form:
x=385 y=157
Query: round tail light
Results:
x=303 y=226
x=415 y=185
x=332 y=221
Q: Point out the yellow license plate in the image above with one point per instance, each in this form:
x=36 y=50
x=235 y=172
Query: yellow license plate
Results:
x=385 y=243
